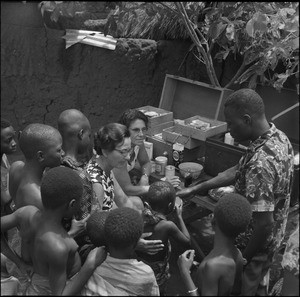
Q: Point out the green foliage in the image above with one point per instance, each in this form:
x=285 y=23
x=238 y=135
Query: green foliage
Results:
x=265 y=34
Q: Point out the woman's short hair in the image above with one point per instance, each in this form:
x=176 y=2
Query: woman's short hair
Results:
x=130 y=115
x=109 y=137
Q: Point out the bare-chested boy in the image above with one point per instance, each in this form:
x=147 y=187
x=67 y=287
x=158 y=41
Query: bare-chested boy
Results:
x=8 y=146
x=220 y=272
x=52 y=251
x=42 y=147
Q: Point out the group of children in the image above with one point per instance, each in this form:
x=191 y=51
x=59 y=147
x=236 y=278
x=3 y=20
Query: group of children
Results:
x=44 y=195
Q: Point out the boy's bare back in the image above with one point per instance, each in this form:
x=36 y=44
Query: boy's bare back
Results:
x=52 y=244
x=219 y=274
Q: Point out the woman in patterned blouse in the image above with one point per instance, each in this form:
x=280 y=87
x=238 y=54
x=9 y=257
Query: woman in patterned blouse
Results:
x=112 y=144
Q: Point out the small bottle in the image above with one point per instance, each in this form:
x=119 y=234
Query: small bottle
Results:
x=177 y=154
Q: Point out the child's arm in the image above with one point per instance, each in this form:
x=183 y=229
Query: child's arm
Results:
x=57 y=258
x=10 y=254
x=184 y=263
x=183 y=234
x=95 y=258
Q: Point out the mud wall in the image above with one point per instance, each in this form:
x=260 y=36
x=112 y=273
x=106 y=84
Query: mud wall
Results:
x=40 y=78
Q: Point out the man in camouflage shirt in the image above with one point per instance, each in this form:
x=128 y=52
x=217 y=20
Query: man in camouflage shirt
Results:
x=264 y=176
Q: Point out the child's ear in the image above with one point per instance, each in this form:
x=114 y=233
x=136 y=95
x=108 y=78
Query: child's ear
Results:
x=171 y=206
x=40 y=156
x=72 y=203
x=104 y=153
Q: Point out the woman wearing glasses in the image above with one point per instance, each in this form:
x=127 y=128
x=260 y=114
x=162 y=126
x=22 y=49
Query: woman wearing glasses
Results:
x=137 y=124
x=112 y=144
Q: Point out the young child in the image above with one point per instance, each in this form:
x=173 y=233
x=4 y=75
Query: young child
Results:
x=46 y=244
x=8 y=147
x=220 y=272
x=42 y=147
x=160 y=201
x=120 y=274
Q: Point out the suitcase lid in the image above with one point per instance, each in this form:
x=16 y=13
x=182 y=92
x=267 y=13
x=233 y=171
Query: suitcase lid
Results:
x=186 y=98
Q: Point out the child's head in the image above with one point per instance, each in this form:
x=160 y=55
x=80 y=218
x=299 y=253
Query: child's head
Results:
x=95 y=227
x=8 y=143
x=60 y=186
x=232 y=214
x=161 y=196
x=41 y=142
x=75 y=130
x=123 y=228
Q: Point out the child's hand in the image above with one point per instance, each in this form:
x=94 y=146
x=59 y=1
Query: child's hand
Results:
x=178 y=209
x=185 y=261
x=96 y=257
x=150 y=247
x=78 y=227
x=174 y=180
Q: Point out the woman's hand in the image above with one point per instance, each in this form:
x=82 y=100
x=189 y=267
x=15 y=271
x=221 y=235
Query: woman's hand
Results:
x=174 y=180
x=150 y=247
x=185 y=261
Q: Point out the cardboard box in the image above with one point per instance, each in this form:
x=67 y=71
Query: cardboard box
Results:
x=216 y=127
x=163 y=115
x=173 y=134
x=161 y=146
x=158 y=128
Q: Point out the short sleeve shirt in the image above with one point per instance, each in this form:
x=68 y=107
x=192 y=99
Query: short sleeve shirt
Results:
x=264 y=177
x=87 y=196
x=97 y=175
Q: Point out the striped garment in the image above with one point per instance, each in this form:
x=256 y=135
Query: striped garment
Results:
x=122 y=277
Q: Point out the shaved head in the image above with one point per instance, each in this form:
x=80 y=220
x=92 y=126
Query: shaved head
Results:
x=37 y=137
x=71 y=121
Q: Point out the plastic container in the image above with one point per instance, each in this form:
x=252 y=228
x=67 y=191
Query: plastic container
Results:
x=160 y=165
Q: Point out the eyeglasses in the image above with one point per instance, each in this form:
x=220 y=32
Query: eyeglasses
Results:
x=137 y=130
x=124 y=153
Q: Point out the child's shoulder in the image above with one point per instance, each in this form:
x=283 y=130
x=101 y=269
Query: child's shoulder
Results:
x=219 y=264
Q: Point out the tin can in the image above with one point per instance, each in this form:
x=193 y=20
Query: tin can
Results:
x=160 y=165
